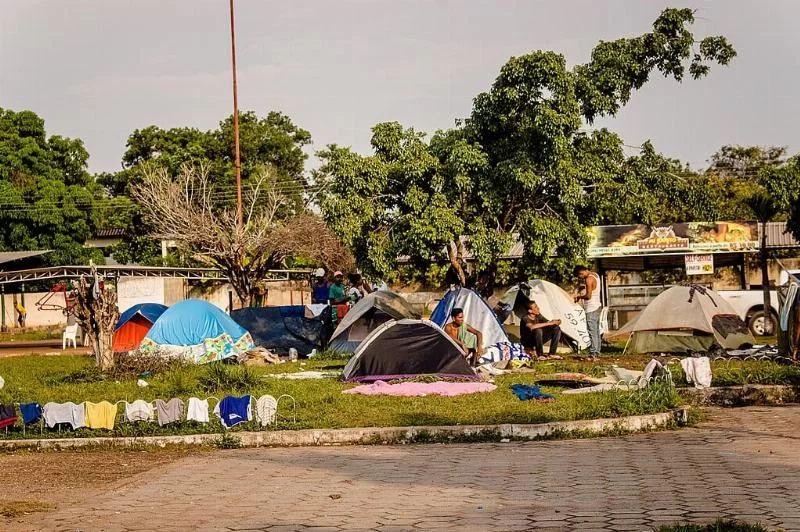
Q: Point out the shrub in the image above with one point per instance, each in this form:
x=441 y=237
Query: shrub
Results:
x=220 y=377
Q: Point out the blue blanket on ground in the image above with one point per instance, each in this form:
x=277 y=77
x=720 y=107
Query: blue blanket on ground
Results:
x=527 y=393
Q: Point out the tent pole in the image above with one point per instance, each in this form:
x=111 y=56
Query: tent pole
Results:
x=742 y=272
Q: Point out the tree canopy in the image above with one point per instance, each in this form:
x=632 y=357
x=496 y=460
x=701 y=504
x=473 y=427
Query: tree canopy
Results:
x=47 y=196
x=522 y=164
x=273 y=141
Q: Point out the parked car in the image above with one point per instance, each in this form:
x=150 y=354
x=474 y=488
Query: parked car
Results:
x=749 y=304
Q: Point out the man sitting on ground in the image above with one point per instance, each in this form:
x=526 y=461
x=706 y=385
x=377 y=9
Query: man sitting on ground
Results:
x=467 y=337
x=535 y=331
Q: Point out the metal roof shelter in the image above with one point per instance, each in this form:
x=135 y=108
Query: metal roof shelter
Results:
x=641 y=247
x=11 y=256
x=198 y=274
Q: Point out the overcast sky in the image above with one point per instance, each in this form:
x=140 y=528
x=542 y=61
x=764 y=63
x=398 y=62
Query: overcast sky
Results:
x=98 y=69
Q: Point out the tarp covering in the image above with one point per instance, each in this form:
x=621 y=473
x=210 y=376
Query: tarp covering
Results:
x=282 y=328
x=477 y=313
x=134 y=324
x=554 y=304
x=789 y=302
x=198 y=331
x=367 y=315
x=407 y=348
x=683 y=311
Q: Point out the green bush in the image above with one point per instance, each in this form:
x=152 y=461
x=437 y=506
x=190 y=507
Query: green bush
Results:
x=220 y=377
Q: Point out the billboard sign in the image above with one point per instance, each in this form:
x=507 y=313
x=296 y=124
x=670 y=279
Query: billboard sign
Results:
x=693 y=237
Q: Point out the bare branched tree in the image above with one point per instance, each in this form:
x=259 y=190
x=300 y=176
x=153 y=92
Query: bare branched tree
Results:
x=187 y=210
x=96 y=312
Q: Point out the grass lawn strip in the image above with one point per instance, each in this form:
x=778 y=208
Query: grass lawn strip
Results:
x=320 y=403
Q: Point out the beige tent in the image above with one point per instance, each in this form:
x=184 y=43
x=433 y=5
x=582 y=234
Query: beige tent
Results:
x=685 y=318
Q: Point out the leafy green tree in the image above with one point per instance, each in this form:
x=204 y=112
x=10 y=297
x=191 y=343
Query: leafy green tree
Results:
x=273 y=141
x=47 y=196
x=520 y=164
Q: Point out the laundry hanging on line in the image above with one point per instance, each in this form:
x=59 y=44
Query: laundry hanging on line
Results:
x=31 y=412
x=234 y=410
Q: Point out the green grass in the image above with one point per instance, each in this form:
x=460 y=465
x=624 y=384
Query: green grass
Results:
x=28 y=335
x=722 y=525
x=320 y=403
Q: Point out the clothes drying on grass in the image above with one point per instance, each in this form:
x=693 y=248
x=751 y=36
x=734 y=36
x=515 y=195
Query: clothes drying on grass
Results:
x=503 y=351
x=234 y=410
x=266 y=410
x=697 y=371
x=531 y=393
x=8 y=415
x=169 y=411
x=69 y=413
x=419 y=389
x=100 y=415
x=31 y=412
x=624 y=379
x=138 y=410
x=198 y=410
x=307 y=375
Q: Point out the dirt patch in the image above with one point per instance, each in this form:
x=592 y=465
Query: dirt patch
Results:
x=20 y=508
x=53 y=478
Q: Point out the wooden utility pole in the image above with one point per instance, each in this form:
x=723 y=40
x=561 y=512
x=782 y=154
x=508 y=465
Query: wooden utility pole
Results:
x=237 y=160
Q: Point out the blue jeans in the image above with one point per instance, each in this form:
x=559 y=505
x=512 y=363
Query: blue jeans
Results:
x=593 y=326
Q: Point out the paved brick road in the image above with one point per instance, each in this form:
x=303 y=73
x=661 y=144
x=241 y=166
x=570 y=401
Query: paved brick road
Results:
x=745 y=464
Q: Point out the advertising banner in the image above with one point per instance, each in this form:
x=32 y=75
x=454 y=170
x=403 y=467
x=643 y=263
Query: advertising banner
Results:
x=693 y=237
x=699 y=264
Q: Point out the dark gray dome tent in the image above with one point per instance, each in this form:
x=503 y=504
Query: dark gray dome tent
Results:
x=407 y=348
x=368 y=314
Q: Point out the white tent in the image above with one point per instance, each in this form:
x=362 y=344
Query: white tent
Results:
x=554 y=304
x=477 y=313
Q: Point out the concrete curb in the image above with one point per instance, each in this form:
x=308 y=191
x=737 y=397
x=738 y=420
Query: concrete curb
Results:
x=747 y=395
x=377 y=435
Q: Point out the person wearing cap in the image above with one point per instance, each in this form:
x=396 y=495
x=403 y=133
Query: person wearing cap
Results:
x=336 y=292
x=319 y=292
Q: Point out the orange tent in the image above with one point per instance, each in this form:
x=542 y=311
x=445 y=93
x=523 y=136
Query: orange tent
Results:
x=134 y=324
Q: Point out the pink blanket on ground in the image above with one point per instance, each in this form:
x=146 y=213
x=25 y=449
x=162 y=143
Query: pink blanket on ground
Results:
x=414 y=389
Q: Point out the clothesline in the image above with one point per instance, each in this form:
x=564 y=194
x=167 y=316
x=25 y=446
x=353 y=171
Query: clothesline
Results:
x=231 y=411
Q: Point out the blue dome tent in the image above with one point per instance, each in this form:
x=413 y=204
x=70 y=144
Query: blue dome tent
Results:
x=477 y=313
x=198 y=331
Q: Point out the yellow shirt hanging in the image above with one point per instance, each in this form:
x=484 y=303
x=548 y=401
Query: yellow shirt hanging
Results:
x=100 y=415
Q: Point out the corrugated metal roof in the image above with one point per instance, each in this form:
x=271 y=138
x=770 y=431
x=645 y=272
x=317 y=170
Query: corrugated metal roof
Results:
x=11 y=256
x=110 y=232
x=777 y=237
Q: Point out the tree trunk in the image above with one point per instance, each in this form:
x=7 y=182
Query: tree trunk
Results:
x=103 y=350
x=455 y=260
x=763 y=256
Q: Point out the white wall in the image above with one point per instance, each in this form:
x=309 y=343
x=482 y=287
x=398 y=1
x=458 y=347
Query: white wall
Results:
x=35 y=317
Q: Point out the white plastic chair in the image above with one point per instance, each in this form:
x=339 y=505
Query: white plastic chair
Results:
x=70 y=335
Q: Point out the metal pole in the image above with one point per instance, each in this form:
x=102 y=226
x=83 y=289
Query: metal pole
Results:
x=237 y=160
x=3 y=327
